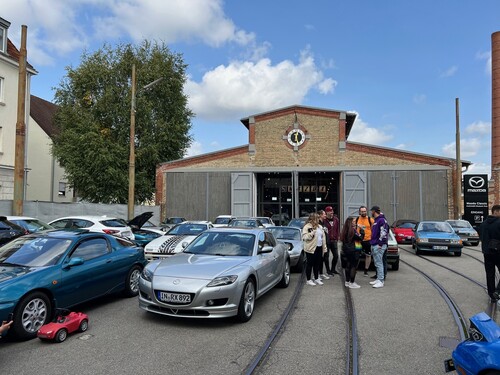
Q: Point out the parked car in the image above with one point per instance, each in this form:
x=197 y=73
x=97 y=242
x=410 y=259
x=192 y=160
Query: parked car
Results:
x=291 y=237
x=143 y=233
x=62 y=268
x=466 y=232
x=220 y=274
x=266 y=221
x=246 y=223
x=101 y=224
x=436 y=236
x=170 y=222
x=30 y=224
x=298 y=223
x=175 y=240
x=223 y=220
x=479 y=353
x=9 y=230
x=404 y=230
x=392 y=253
x=64 y=323
x=280 y=219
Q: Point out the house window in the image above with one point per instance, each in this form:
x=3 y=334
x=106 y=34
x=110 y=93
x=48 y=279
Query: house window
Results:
x=1 y=90
x=3 y=39
x=62 y=189
x=1 y=139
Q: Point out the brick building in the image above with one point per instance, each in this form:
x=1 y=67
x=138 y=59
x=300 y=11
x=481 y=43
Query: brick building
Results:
x=298 y=159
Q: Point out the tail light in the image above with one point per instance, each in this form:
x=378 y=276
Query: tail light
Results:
x=111 y=231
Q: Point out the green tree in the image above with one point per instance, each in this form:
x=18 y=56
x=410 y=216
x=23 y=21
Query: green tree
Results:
x=93 y=120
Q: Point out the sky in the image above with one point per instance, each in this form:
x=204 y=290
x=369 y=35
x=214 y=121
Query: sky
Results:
x=399 y=65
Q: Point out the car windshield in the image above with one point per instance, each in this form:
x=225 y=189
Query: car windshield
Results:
x=115 y=223
x=175 y=220
x=187 y=229
x=222 y=220
x=34 y=251
x=222 y=244
x=435 y=227
x=406 y=225
x=298 y=223
x=460 y=224
x=244 y=223
x=284 y=233
x=264 y=220
x=32 y=225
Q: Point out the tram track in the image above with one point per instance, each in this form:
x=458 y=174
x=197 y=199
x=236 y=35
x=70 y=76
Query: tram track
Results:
x=352 y=357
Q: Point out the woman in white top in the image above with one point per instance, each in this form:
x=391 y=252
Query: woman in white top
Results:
x=314 y=239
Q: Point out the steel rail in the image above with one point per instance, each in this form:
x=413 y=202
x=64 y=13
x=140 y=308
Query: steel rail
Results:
x=455 y=310
x=259 y=359
x=352 y=356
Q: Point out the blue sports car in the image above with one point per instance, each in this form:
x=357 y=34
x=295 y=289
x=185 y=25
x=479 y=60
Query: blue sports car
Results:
x=62 y=268
x=436 y=236
x=480 y=354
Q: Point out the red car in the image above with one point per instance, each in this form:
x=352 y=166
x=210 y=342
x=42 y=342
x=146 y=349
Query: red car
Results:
x=403 y=230
x=63 y=324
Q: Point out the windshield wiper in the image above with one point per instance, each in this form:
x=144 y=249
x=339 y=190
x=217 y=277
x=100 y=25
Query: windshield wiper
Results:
x=11 y=264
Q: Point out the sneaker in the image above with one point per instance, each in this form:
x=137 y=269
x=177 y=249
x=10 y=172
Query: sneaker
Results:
x=323 y=276
x=354 y=286
x=373 y=282
x=373 y=277
x=347 y=284
x=318 y=281
x=378 y=284
x=366 y=273
x=310 y=282
x=335 y=272
x=330 y=273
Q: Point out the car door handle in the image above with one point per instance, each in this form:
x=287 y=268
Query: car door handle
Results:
x=109 y=260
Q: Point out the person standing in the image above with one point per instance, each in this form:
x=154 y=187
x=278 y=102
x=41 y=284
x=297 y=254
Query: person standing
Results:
x=313 y=236
x=366 y=223
x=332 y=225
x=351 y=237
x=490 y=245
x=379 y=239
x=322 y=220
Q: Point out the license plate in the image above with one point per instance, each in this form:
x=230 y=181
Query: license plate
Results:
x=440 y=247
x=174 y=297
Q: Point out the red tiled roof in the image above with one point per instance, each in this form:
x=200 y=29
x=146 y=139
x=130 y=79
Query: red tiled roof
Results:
x=14 y=53
x=43 y=112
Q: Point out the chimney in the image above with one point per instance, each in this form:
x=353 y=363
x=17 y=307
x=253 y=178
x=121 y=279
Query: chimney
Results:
x=495 y=114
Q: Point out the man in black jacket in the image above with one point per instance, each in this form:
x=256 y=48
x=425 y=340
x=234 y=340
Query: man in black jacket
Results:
x=490 y=245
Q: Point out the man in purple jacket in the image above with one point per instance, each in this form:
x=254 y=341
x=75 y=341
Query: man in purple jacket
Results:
x=380 y=234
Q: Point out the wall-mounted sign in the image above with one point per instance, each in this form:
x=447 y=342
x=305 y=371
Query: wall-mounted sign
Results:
x=475 y=198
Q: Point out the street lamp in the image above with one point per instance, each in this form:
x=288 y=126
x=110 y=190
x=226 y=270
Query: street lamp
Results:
x=131 y=163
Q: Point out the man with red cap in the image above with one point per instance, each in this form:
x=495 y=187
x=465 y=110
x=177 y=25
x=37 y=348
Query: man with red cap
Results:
x=332 y=226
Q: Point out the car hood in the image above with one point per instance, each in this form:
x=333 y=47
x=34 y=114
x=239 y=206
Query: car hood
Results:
x=168 y=244
x=140 y=220
x=405 y=231
x=13 y=272
x=450 y=236
x=197 y=266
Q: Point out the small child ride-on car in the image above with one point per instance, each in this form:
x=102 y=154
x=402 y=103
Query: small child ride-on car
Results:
x=64 y=322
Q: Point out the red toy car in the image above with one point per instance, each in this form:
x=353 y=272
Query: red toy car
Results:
x=65 y=322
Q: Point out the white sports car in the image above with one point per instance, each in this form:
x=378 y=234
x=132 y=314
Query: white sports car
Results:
x=175 y=240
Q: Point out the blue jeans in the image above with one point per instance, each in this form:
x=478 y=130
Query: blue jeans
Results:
x=378 y=259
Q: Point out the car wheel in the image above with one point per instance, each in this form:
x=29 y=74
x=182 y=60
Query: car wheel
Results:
x=458 y=253
x=417 y=251
x=84 y=325
x=132 y=281
x=61 y=335
x=285 y=278
x=247 y=302
x=395 y=265
x=30 y=314
x=300 y=264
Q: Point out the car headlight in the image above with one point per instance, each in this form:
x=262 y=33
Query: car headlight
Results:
x=456 y=242
x=147 y=274
x=475 y=234
x=223 y=280
x=422 y=240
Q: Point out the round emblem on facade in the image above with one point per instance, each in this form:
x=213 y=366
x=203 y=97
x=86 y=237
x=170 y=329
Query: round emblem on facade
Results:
x=476 y=182
x=296 y=137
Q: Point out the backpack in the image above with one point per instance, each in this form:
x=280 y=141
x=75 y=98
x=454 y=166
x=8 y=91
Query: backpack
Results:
x=370 y=221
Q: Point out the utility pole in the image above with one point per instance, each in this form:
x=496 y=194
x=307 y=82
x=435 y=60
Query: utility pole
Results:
x=131 y=163
x=458 y=197
x=19 y=162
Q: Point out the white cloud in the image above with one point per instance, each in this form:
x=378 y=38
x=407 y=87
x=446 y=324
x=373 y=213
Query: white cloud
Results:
x=468 y=147
x=419 y=98
x=246 y=87
x=449 y=72
x=479 y=128
x=196 y=148
x=485 y=56
x=363 y=133
x=402 y=146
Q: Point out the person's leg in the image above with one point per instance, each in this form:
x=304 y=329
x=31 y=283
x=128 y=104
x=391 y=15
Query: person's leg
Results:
x=309 y=265
x=318 y=262
x=489 y=267
x=377 y=254
x=384 y=261
x=326 y=260
x=367 y=249
x=335 y=251
x=347 y=269
x=354 y=266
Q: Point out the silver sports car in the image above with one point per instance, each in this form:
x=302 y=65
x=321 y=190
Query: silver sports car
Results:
x=292 y=237
x=220 y=274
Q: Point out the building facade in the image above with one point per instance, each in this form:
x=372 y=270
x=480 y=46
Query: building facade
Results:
x=298 y=160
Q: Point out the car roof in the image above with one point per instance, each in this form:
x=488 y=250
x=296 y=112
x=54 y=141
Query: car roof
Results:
x=238 y=230
x=88 y=217
x=195 y=222
x=21 y=218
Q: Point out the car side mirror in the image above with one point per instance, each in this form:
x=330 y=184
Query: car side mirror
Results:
x=74 y=262
x=266 y=249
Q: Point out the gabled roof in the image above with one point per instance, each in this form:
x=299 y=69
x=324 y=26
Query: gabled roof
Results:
x=14 y=54
x=43 y=113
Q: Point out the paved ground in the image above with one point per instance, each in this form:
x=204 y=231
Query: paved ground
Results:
x=399 y=331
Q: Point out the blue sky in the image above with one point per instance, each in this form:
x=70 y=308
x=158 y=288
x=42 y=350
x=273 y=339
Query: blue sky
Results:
x=398 y=64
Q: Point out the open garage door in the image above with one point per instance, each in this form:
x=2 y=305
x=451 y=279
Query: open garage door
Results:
x=242 y=194
x=355 y=185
